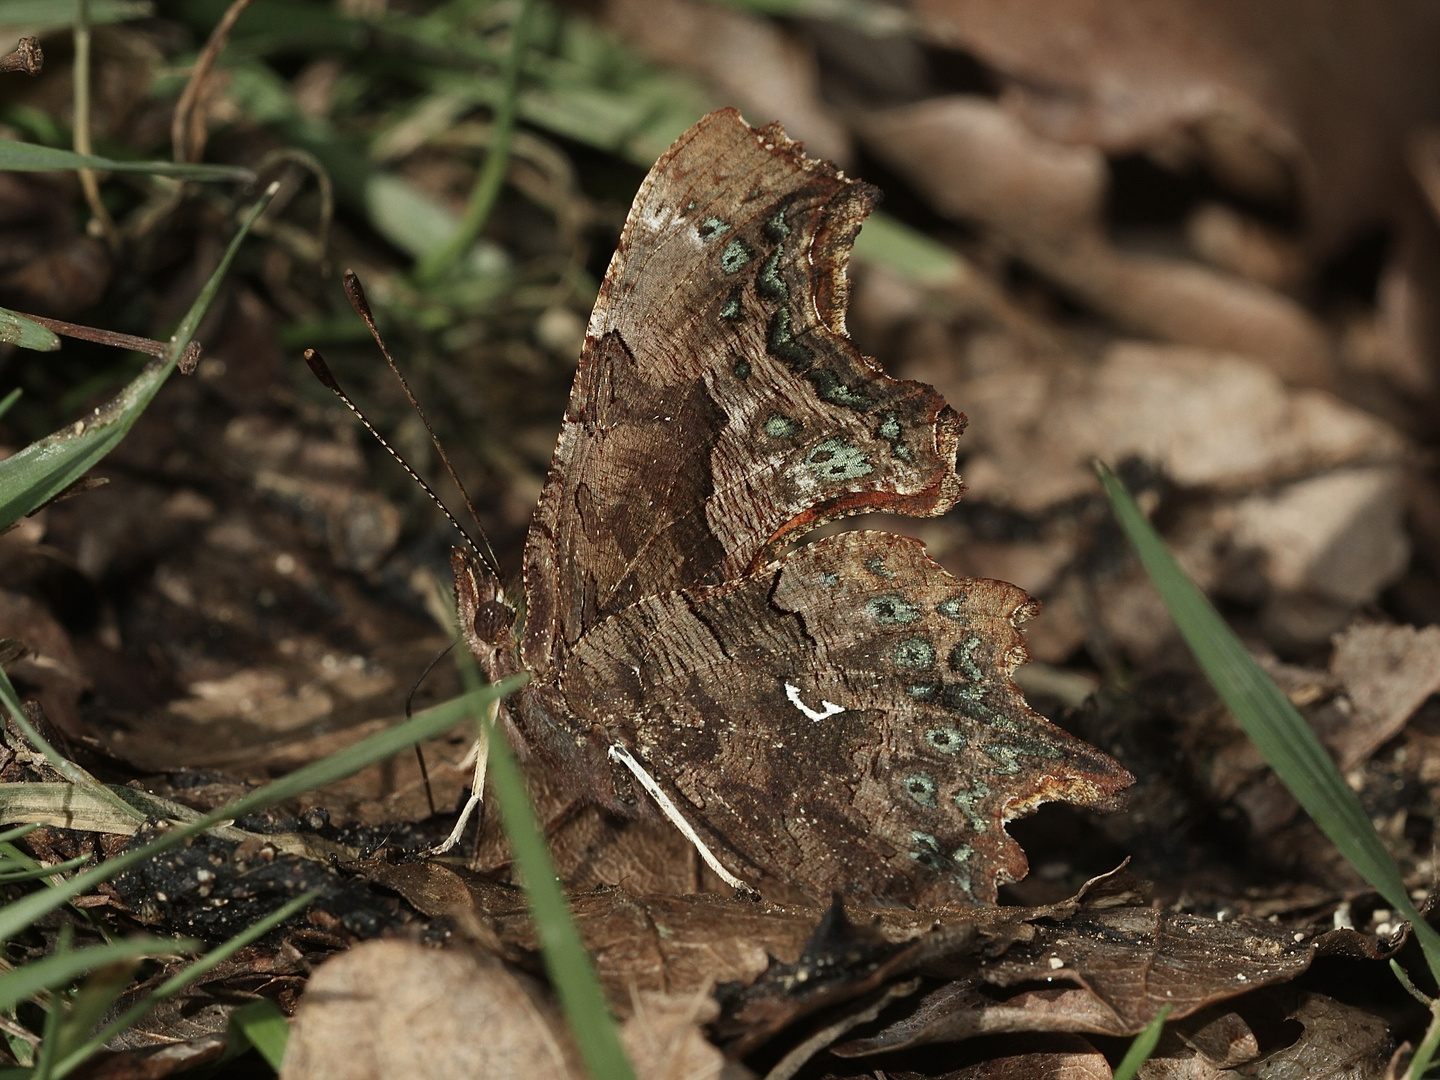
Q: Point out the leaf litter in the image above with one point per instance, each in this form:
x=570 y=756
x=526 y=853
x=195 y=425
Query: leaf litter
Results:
x=1211 y=264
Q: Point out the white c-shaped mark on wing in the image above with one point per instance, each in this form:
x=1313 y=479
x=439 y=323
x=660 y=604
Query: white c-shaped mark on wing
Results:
x=793 y=693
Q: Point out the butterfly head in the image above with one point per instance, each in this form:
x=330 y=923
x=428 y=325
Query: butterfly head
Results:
x=486 y=620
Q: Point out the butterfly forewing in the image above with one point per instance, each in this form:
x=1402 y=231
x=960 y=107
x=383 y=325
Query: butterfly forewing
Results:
x=718 y=404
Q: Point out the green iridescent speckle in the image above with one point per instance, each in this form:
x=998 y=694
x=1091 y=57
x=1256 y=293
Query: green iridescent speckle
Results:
x=962 y=877
x=829 y=388
x=920 y=787
x=968 y=699
x=777 y=228
x=712 y=227
x=735 y=257
x=891 y=609
x=950 y=608
x=924 y=691
x=835 y=460
x=927 y=851
x=890 y=431
x=947 y=740
x=732 y=308
x=741 y=369
x=769 y=283
x=829 y=579
x=962 y=657
x=780 y=342
x=914 y=652
x=967 y=801
x=779 y=426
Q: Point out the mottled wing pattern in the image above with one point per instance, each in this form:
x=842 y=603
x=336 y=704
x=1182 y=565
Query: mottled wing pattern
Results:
x=844 y=719
x=718 y=404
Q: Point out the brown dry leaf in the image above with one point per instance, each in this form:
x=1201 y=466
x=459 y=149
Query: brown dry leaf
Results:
x=975 y=161
x=1207 y=420
x=1388 y=672
x=1108 y=972
x=391 y=1008
x=1076 y=1061
x=1293 y=495
x=1294 y=99
x=1321 y=94
x=1340 y=1042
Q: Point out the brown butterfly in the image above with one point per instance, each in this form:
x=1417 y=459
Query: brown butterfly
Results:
x=839 y=718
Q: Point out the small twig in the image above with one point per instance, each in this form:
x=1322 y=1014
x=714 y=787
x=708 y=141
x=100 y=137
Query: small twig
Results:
x=88 y=181
x=492 y=173
x=27 y=57
x=188 y=359
x=187 y=127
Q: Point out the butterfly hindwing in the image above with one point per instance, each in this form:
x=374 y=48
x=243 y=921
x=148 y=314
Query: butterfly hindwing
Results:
x=842 y=720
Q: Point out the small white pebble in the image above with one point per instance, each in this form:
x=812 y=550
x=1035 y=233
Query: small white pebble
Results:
x=1056 y=963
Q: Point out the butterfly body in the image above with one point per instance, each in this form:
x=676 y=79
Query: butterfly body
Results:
x=838 y=718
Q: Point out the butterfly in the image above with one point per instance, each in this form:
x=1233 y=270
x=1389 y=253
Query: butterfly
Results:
x=832 y=716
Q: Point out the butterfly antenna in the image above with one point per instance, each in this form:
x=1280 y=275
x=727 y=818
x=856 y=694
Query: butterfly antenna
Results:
x=322 y=372
x=409 y=711
x=356 y=293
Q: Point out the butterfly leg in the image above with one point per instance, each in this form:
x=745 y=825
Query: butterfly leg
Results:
x=481 y=752
x=673 y=815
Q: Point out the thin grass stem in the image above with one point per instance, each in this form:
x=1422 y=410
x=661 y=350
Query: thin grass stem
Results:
x=492 y=172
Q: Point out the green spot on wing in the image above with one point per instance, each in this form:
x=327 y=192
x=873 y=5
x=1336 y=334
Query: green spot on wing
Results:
x=947 y=740
x=914 y=652
x=779 y=426
x=735 y=257
x=769 y=283
x=830 y=388
x=712 y=227
x=920 y=787
x=891 y=609
x=835 y=460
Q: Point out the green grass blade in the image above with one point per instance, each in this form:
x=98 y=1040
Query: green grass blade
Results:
x=263 y=1026
x=25 y=982
x=1272 y=723
x=191 y=974
x=909 y=253
x=1143 y=1046
x=36 y=474
x=571 y=970
x=492 y=173
x=17 y=156
x=89 y=1004
x=36 y=16
x=9 y=400
x=68 y=769
x=15 y=329
x=16 y=876
x=15 y=917
x=1425 y=1052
